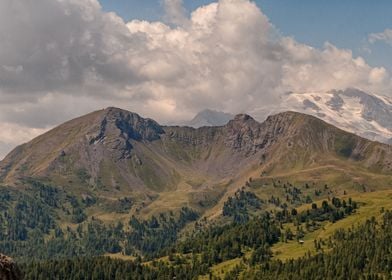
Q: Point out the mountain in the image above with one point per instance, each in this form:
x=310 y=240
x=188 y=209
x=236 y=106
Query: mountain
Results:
x=113 y=182
x=113 y=153
x=209 y=118
x=364 y=114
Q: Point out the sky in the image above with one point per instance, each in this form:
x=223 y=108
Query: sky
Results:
x=346 y=24
x=169 y=59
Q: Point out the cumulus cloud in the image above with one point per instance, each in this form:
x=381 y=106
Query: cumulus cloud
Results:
x=63 y=58
x=308 y=69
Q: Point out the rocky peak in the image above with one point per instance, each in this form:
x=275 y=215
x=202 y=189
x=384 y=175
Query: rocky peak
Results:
x=284 y=117
x=245 y=133
x=115 y=130
x=242 y=132
x=241 y=122
x=130 y=126
x=8 y=269
x=242 y=118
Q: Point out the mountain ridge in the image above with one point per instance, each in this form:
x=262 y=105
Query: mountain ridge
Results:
x=122 y=137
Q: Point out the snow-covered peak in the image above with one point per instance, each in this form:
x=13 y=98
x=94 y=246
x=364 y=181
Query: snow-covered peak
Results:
x=353 y=110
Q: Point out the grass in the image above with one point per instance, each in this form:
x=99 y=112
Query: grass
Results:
x=120 y=256
x=169 y=201
x=219 y=270
x=372 y=204
x=222 y=268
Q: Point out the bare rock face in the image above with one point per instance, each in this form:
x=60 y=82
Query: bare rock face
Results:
x=118 y=128
x=247 y=135
x=8 y=269
x=242 y=133
x=130 y=125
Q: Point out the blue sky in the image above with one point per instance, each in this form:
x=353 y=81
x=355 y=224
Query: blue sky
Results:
x=345 y=24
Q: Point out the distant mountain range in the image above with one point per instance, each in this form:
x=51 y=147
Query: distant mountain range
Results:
x=353 y=110
x=209 y=118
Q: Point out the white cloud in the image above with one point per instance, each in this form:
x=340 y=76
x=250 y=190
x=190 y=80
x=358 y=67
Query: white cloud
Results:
x=309 y=69
x=13 y=134
x=385 y=36
x=63 y=58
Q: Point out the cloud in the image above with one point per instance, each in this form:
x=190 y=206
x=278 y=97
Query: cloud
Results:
x=175 y=12
x=63 y=58
x=385 y=36
x=12 y=134
x=309 y=69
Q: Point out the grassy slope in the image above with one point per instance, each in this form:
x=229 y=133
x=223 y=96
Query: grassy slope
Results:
x=373 y=203
x=221 y=269
x=340 y=176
